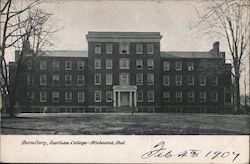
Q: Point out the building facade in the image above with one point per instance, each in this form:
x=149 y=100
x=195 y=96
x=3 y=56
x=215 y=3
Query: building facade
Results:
x=125 y=71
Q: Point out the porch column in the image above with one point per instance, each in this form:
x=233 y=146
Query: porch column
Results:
x=130 y=99
x=114 y=99
x=135 y=99
x=119 y=98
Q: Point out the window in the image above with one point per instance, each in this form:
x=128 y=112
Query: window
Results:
x=139 y=49
x=190 y=66
x=31 y=95
x=178 y=66
x=140 y=96
x=68 y=65
x=214 y=81
x=29 y=64
x=109 y=79
x=151 y=96
x=109 y=48
x=80 y=96
x=97 y=49
x=214 y=96
x=178 y=80
x=139 y=79
x=191 y=96
x=178 y=96
x=80 y=80
x=55 y=65
x=80 y=65
x=98 y=96
x=43 y=96
x=190 y=80
x=166 y=96
x=43 y=80
x=202 y=96
x=150 y=79
x=55 y=79
x=166 y=66
x=150 y=49
x=166 y=80
x=150 y=64
x=124 y=79
x=202 y=65
x=124 y=63
x=68 y=96
x=124 y=48
x=30 y=80
x=108 y=96
x=98 y=79
x=109 y=64
x=98 y=63
x=202 y=80
x=68 y=79
x=139 y=64
x=43 y=65
x=55 y=96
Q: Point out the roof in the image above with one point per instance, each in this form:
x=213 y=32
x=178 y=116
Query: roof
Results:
x=66 y=53
x=122 y=34
x=180 y=54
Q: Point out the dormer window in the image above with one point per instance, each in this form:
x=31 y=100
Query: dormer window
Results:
x=124 y=48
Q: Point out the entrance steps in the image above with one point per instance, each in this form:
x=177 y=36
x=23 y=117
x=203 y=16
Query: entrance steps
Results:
x=124 y=109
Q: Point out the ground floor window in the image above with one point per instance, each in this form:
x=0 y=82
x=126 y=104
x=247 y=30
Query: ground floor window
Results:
x=81 y=97
x=166 y=96
x=108 y=96
x=97 y=96
x=151 y=96
x=140 y=96
x=68 y=96
x=55 y=96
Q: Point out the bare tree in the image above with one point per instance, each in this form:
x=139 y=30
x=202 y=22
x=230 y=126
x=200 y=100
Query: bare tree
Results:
x=230 y=20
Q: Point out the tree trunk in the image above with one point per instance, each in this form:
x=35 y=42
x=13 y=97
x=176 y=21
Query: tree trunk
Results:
x=237 y=95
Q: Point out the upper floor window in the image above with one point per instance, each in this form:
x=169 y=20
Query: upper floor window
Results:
x=214 y=81
x=190 y=80
x=139 y=64
x=109 y=64
x=98 y=79
x=98 y=63
x=178 y=80
x=80 y=65
x=80 y=80
x=55 y=65
x=150 y=64
x=202 y=96
x=191 y=96
x=124 y=79
x=190 y=66
x=109 y=79
x=166 y=66
x=30 y=80
x=97 y=49
x=202 y=80
x=109 y=48
x=150 y=49
x=139 y=79
x=43 y=80
x=68 y=65
x=43 y=96
x=55 y=96
x=178 y=96
x=151 y=96
x=81 y=97
x=166 y=96
x=166 y=80
x=214 y=96
x=68 y=79
x=178 y=66
x=55 y=79
x=43 y=65
x=124 y=48
x=140 y=96
x=150 y=79
x=124 y=64
x=109 y=96
x=29 y=64
x=139 y=49
x=98 y=96
x=68 y=96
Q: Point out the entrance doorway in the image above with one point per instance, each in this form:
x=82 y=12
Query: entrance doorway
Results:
x=124 y=98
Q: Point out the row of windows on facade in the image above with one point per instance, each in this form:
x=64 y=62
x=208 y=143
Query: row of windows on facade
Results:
x=109 y=96
x=124 y=79
x=124 y=48
x=56 y=65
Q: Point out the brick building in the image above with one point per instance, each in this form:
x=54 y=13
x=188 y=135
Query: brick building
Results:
x=124 y=71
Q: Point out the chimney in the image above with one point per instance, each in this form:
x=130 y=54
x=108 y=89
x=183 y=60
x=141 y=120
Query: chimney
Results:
x=216 y=49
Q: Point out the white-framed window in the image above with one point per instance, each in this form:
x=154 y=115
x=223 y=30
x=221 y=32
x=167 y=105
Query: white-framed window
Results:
x=109 y=79
x=29 y=64
x=68 y=96
x=80 y=80
x=43 y=80
x=81 y=96
x=139 y=79
x=68 y=79
x=214 y=80
x=98 y=79
x=43 y=96
x=124 y=48
x=124 y=79
x=214 y=96
x=203 y=96
x=178 y=66
x=97 y=48
x=178 y=96
x=190 y=66
x=191 y=96
x=202 y=80
x=190 y=80
x=98 y=96
x=80 y=65
x=150 y=63
x=124 y=63
x=55 y=96
x=109 y=48
x=55 y=65
x=139 y=49
x=109 y=96
x=68 y=65
x=166 y=96
x=55 y=79
x=166 y=80
x=43 y=65
x=151 y=79
x=150 y=48
x=178 y=80
x=151 y=96
x=140 y=96
x=139 y=64
x=109 y=64
x=166 y=66
x=98 y=64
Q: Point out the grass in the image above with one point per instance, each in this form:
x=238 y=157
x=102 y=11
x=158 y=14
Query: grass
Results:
x=126 y=124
